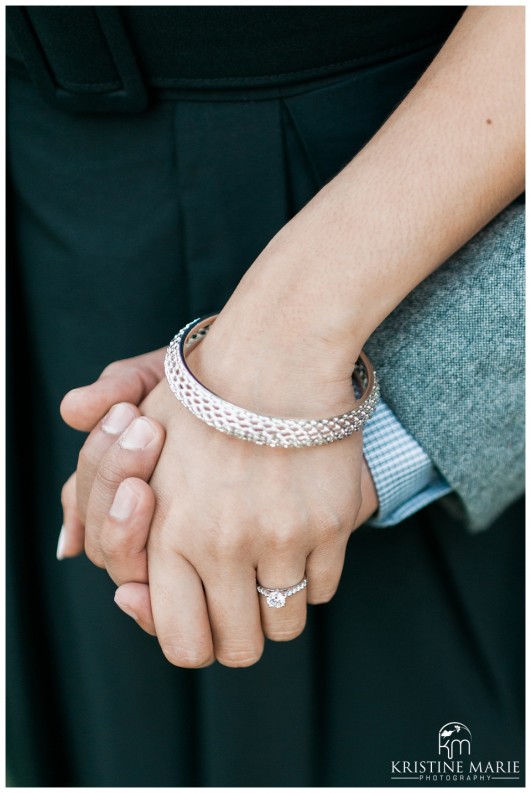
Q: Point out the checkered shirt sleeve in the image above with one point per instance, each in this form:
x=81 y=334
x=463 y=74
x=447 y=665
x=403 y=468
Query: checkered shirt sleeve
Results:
x=404 y=476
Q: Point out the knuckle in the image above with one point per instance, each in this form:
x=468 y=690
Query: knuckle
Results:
x=286 y=631
x=322 y=594
x=239 y=661
x=94 y=555
x=110 y=474
x=181 y=652
x=284 y=634
x=85 y=458
x=114 y=545
x=226 y=543
x=282 y=537
x=239 y=654
x=330 y=528
x=115 y=367
x=65 y=494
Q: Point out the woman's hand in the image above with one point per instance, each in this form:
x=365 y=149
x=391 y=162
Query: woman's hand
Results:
x=229 y=513
x=224 y=508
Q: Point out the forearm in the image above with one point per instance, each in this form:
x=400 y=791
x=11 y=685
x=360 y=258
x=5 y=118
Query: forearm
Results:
x=448 y=159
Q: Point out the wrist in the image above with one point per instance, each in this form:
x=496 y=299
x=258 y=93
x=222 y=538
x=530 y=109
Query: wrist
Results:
x=315 y=282
x=273 y=349
x=287 y=340
x=278 y=374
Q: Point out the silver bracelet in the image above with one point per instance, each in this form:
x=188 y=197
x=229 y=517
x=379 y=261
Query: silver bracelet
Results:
x=263 y=430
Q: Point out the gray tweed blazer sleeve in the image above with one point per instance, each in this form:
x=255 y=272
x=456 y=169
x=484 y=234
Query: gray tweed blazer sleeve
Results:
x=451 y=364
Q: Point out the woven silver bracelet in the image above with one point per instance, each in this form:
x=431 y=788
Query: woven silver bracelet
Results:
x=264 y=430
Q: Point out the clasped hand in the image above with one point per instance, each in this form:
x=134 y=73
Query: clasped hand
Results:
x=218 y=515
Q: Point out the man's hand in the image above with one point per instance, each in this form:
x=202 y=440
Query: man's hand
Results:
x=129 y=380
x=94 y=407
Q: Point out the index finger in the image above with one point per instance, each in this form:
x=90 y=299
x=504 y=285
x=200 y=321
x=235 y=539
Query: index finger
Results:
x=179 y=607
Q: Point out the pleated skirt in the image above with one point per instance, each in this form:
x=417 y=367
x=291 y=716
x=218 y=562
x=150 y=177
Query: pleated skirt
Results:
x=121 y=229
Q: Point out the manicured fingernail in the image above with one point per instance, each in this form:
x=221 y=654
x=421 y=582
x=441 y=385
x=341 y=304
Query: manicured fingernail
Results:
x=138 y=436
x=61 y=544
x=126 y=609
x=117 y=419
x=124 y=502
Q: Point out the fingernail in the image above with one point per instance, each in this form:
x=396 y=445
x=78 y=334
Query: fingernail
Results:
x=117 y=419
x=138 y=436
x=126 y=609
x=124 y=502
x=61 y=544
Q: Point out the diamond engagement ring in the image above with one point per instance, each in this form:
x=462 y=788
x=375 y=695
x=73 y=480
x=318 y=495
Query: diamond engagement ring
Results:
x=276 y=598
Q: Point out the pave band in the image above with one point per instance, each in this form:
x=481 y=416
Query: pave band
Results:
x=260 y=429
x=276 y=598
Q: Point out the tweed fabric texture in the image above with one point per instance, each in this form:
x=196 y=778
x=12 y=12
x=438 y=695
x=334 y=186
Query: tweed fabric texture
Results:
x=458 y=386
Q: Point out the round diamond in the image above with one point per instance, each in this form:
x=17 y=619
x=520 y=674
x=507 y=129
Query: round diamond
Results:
x=276 y=600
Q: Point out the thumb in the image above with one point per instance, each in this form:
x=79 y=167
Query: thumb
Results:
x=130 y=380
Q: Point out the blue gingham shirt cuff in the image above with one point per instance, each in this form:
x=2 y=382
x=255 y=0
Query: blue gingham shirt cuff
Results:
x=404 y=476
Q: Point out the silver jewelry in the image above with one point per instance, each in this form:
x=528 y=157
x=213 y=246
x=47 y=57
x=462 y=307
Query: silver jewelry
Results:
x=276 y=598
x=260 y=429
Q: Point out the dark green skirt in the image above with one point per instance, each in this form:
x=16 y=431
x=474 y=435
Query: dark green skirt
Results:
x=122 y=229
